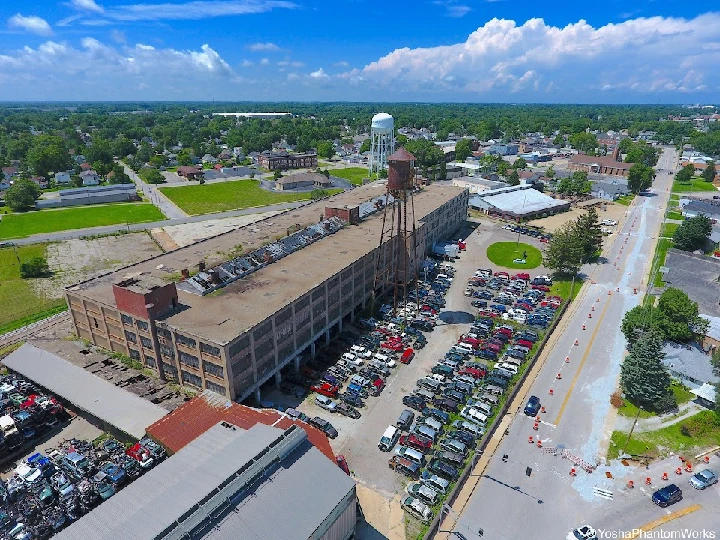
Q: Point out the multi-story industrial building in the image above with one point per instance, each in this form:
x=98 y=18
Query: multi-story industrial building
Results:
x=285 y=160
x=229 y=312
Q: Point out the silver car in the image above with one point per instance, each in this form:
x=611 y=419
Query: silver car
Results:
x=703 y=479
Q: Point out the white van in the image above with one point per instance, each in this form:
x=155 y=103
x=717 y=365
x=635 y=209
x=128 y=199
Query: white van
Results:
x=385 y=359
x=389 y=438
x=472 y=414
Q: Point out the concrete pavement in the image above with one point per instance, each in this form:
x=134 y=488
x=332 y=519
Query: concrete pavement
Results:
x=574 y=431
x=166 y=206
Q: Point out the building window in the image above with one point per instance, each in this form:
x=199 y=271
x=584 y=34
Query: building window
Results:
x=164 y=332
x=215 y=387
x=167 y=351
x=126 y=319
x=150 y=361
x=209 y=349
x=213 y=369
x=142 y=325
x=130 y=336
x=146 y=342
x=189 y=378
x=184 y=340
x=135 y=355
x=188 y=359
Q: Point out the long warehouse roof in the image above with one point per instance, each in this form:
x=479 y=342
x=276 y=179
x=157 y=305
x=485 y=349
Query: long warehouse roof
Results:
x=100 y=398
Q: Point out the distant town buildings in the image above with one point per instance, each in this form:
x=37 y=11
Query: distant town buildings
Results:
x=286 y=160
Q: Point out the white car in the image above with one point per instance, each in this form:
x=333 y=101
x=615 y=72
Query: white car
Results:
x=511 y=368
x=417 y=508
x=586 y=532
x=326 y=403
x=27 y=473
x=610 y=222
x=436 y=483
x=519 y=261
x=362 y=352
x=352 y=359
x=423 y=492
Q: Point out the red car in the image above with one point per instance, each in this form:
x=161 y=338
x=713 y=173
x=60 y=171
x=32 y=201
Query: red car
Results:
x=544 y=240
x=423 y=444
x=326 y=389
x=393 y=346
x=407 y=356
x=497 y=274
x=141 y=454
x=488 y=313
x=342 y=463
x=543 y=288
x=462 y=245
x=428 y=309
x=522 y=275
x=524 y=343
x=29 y=402
x=492 y=346
x=475 y=373
x=505 y=331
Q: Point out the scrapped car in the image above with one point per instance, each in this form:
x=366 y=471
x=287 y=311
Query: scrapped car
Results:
x=324 y=426
x=417 y=508
x=347 y=410
x=325 y=389
x=423 y=492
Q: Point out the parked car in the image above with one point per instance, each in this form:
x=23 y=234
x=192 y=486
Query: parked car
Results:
x=416 y=441
x=140 y=454
x=417 y=508
x=325 y=389
x=667 y=495
x=703 y=479
x=347 y=410
x=404 y=466
x=442 y=469
x=423 y=492
x=324 y=426
x=414 y=402
x=342 y=463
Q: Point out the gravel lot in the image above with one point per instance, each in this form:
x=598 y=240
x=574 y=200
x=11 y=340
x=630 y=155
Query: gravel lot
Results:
x=552 y=223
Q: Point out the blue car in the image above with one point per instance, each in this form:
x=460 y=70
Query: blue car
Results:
x=533 y=406
x=115 y=473
x=498 y=307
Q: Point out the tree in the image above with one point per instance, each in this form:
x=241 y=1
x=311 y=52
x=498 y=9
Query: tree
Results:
x=184 y=158
x=550 y=172
x=641 y=319
x=22 y=195
x=277 y=174
x=564 y=253
x=520 y=163
x=151 y=176
x=365 y=146
x=34 y=268
x=709 y=173
x=643 y=376
x=692 y=233
x=47 y=154
x=583 y=141
x=325 y=149
x=401 y=140
x=119 y=176
x=99 y=150
x=102 y=168
x=513 y=178
x=589 y=234
x=317 y=194
x=681 y=319
x=559 y=140
x=640 y=177
x=122 y=146
x=462 y=150
x=576 y=184
x=686 y=174
x=502 y=167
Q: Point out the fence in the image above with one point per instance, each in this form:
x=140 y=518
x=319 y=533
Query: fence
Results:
x=452 y=496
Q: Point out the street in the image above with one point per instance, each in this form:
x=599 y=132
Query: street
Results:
x=574 y=381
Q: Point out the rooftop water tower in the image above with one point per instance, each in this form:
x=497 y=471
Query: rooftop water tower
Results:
x=382 y=134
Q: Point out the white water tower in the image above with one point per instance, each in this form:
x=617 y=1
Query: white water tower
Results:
x=382 y=133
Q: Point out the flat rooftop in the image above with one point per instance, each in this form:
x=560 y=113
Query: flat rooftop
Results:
x=102 y=399
x=183 y=492
x=521 y=201
x=241 y=305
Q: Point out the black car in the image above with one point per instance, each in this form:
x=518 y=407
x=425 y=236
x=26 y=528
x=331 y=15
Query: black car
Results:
x=446 y=404
x=479 y=303
x=437 y=414
x=443 y=470
x=414 y=402
x=351 y=399
x=463 y=436
x=454 y=395
x=533 y=406
x=324 y=426
x=667 y=495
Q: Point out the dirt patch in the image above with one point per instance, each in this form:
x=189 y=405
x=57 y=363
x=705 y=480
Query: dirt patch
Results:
x=605 y=211
x=76 y=260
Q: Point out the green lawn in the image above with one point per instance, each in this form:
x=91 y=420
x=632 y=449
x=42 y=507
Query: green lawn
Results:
x=668 y=229
x=354 y=175
x=675 y=215
x=690 y=436
x=20 y=303
x=682 y=395
x=561 y=288
x=662 y=248
x=695 y=185
x=625 y=200
x=225 y=196
x=503 y=254
x=21 y=225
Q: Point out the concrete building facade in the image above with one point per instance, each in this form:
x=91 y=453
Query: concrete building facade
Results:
x=237 y=338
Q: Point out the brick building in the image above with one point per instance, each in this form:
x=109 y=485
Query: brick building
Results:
x=269 y=306
x=285 y=160
x=599 y=165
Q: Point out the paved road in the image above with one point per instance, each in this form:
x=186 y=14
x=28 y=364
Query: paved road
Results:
x=578 y=420
x=109 y=229
x=166 y=206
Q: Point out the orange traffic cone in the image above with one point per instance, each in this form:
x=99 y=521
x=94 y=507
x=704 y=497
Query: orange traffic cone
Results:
x=558 y=376
x=648 y=481
x=583 y=327
x=664 y=476
x=551 y=391
x=542 y=410
x=631 y=484
x=688 y=467
x=589 y=315
x=535 y=426
x=537 y=418
x=576 y=342
x=678 y=471
x=567 y=359
x=530 y=439
x=706 y=459
x=539 y=444
x=572 y=472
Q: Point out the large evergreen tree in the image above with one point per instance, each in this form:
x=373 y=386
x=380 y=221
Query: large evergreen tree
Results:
x=589 y=234
x=709 y=173
x=643 y=376
x=681 y=318
x=564 y=252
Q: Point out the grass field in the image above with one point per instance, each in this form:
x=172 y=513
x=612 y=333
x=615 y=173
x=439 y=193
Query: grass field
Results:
x=695 y=185
x=503 y=254
x=225 y=196
x=688 y=436
x=561 y=288
x=625 y=200
x=662 y=248
x=668 y=229
x=20 y=304
x=675 y=215
x=682 y=395
x=354 y=175
x=63 y=219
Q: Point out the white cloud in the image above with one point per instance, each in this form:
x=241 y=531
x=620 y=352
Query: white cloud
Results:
x=452 y=8
x=341 y=64
x=574 y=61
x=194 y=10
x=117 y=36
x=269 y=47
x=86 y=5
x=246 y=63
x=264 y=61
x=319 y=74
x=31 y=23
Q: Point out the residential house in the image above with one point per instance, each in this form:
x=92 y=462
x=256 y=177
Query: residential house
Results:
x=238 y=153
x=79 y=159
x=285 y=160
x=40 y=181
x=225 y=154
x=85 y=166
x=207 y=158
x=190 y=172
x=9 y=173
x=510 y=149
x=599 y=165
x=90 y=178
x=608 y=191
x=696 y=208
x=690 y=365
x=302 y=180
x=62 y=177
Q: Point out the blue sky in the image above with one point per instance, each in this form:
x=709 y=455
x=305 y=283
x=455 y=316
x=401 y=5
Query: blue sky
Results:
x=361 y=50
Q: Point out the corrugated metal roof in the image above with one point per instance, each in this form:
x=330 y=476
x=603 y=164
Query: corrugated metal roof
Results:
x=521 y=201
x=154 y=502
x=100 y=398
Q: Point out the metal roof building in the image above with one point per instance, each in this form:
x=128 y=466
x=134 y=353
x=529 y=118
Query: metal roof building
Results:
x=231 y=483
x=517 y=202
x=101 y=399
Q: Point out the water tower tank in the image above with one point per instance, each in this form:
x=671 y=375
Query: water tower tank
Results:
x=400 y=170
x=382 y=123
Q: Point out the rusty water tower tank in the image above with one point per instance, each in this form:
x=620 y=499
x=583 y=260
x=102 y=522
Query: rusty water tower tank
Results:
x=400 y=170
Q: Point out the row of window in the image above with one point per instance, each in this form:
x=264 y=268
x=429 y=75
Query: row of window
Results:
x=188 y=359
x=184 y=340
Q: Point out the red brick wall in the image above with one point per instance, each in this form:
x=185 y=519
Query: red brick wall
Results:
x=134 y=303
x=351 y=215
